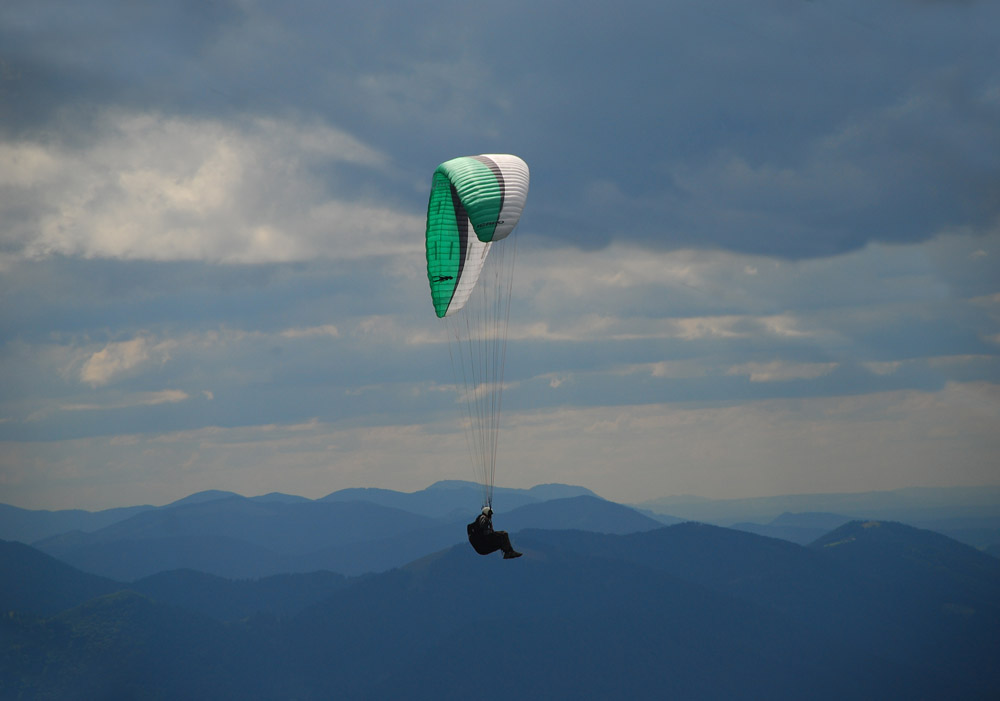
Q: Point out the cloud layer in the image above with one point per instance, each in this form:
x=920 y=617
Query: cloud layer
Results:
x=759 y=254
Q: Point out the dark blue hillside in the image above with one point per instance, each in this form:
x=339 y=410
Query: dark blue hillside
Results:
x=868 y=544
x=35 y=583
x=689 y=611
x=906 y=594
x=939 y=599
x=280 y=595
x=559 y=624
x=128 y=559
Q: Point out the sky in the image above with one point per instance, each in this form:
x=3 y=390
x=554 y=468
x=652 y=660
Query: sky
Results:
x=759 y=254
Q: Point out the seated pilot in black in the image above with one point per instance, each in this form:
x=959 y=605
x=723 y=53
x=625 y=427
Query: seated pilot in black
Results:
x=485 y=540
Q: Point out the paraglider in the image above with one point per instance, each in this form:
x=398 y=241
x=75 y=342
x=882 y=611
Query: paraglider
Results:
x=485 y=540
x=475 y=205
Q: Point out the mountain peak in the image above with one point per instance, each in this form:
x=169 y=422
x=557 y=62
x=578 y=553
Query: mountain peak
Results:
x=880 y=544
x=880 y=533
x=559 y=491
x=205 y=496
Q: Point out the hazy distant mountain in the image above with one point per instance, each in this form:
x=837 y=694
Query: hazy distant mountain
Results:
x=28 y=526
x=369 y=530
x=446 y=499
x=235 y=537
x=287 y=528
x=546 y=492
x=979 y=532
x=203 y=497
x=584 y=513
x=910 y=505
x=455 y=498
x=968 y=514
x=217 y=494
x=278 y=496
x=971 y=515
x=691 y=611
x=797 y=528
x=230 y=537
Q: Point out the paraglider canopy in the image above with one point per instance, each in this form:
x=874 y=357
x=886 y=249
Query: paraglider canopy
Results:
x=474 y=201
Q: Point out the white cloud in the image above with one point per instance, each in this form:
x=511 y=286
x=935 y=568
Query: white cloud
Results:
x=312 y=332
x=959 y=360
x=120 y=357
x=779 y=371
x=719 y=327
x=883 y=368
x=992 y=300
x=154 y=187
x=595 y=328
x=667 y=369
x=166 y=396
x=785 y=325
x=26 y=165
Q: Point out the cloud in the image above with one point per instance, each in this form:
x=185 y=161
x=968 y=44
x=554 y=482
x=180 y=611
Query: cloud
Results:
x=947 y=361
x=741 y=149
x=780 y=371
x=120 y=357
x=281 y=342
x=630 y=453
x=166 y=396
x=988 y=301
x=669 y=369
x=147 y=186
x=882 y=368
x=592 y=328
x=312 y=332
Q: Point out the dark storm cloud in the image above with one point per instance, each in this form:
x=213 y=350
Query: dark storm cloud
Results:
x=63 y=59
x=796 y=129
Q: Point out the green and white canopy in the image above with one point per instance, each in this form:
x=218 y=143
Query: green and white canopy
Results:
x=474 y=201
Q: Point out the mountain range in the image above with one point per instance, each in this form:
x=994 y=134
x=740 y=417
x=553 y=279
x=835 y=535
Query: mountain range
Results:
x=968 y=514
x=349 y=532
x=872 y=609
